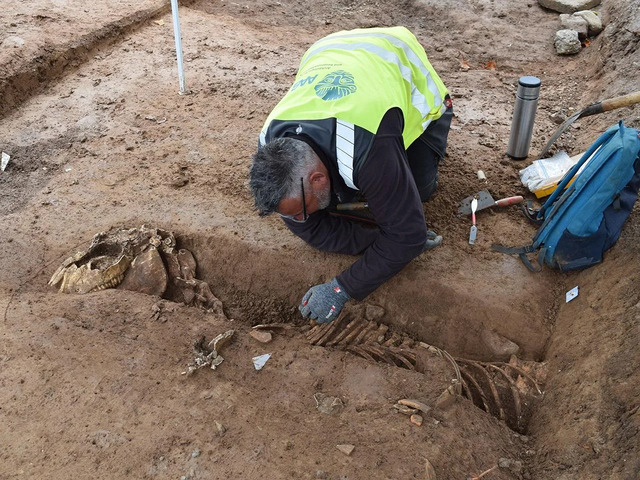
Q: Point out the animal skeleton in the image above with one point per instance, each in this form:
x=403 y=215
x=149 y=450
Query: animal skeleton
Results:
x=141 y=259
x=505 y=390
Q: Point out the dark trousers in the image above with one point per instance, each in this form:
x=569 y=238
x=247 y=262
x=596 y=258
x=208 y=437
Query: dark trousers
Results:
x=425 y=153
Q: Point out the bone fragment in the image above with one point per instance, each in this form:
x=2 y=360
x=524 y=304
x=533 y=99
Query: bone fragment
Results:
x=446 y=398
x=415 y=404
x=208 y=356
x=346 y=448
x=405 y=410
x=146 y=274
x=221 y=340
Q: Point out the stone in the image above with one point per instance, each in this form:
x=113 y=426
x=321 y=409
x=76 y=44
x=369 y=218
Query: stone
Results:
x=577 y=24
x=327 y=404
x=88 y=122
x=501 y=347
x=568 y=6
x=261 y=335
x=346 y=448
x=557 y=117
x=567 y=42
x=416 y=419
x=220 y=429
x=514 y=466
x=12 y=41
x=593 y=20
x=374 y=313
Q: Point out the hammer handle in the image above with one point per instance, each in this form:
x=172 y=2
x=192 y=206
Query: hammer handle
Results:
x=611 y=104
x=624 y=101
x=352 y=206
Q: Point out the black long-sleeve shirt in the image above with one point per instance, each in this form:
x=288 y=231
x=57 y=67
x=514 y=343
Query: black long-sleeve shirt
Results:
x=386 y=181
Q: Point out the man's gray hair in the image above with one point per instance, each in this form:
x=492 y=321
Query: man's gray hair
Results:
x=276 y=171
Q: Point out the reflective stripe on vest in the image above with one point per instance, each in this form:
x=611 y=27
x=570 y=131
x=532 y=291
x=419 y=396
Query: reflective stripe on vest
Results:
x=345 y=84
x=344 y=151
x=418 y=100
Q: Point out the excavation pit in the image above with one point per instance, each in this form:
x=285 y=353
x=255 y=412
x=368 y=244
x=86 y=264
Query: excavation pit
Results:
x=99 y=138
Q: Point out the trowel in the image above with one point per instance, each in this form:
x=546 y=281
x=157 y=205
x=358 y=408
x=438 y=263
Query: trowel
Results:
x=474 y=229
x=485 y=200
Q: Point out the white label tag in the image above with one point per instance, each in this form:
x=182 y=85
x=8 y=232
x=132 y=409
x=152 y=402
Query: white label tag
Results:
x=571 y=294
x=260 y=360
x=5 y=161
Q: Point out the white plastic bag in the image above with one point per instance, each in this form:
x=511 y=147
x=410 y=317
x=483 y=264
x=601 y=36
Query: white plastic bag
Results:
x=545 y=173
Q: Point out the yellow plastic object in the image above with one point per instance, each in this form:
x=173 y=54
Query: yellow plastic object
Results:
x=546 y=190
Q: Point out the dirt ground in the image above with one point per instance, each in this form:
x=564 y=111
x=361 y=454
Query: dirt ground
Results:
x=91 y=386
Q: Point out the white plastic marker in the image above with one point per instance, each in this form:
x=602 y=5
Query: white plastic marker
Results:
x=176 y=34
x=571 y=294
x=5 y=161
x=260 y=360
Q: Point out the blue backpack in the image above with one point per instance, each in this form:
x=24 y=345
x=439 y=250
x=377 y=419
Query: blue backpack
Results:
x=579 y=224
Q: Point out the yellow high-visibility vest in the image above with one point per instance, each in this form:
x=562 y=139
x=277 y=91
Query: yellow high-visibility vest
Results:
x=358 y=75
x=353 y=78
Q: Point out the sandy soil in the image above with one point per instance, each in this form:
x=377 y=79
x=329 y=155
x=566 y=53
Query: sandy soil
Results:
x=99 y=138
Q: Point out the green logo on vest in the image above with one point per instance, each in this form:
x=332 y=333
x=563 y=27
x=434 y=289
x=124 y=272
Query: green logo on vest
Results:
x=335 y=85
x=304 y=81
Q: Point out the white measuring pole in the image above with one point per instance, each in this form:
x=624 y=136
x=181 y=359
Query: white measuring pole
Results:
x=176 y=34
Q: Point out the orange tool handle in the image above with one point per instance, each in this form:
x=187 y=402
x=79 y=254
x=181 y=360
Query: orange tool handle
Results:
x=473 y=218
x=503 y=202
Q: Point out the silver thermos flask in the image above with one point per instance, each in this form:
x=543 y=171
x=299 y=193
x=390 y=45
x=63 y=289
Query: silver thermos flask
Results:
x=524 y=114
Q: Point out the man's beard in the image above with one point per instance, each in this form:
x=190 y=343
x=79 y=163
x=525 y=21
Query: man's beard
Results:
x=324 y=198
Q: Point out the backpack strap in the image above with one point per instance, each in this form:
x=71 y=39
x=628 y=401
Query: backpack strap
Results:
x=531 y=213
x=572 y=172
x=522 y=253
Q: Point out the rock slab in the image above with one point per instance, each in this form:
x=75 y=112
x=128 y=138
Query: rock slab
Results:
x=261 y=336
x=568 y=6
x=501 y=347
x=575 y=23
x=594 y=22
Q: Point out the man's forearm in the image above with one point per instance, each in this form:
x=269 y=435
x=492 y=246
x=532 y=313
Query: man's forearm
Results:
x=334 y=234
x=381 y=261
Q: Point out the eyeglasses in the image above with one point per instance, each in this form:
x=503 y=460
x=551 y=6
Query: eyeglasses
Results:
x=305 y=216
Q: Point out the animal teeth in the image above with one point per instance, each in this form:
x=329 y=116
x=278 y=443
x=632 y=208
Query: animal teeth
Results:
x=114 y=282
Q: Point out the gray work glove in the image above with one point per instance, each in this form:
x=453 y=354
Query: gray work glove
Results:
x=324 y=302
x=433 y=240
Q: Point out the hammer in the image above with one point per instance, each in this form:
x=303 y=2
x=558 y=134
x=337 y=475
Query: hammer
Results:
x=598 y=107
